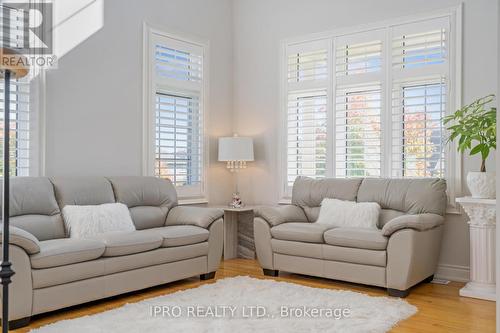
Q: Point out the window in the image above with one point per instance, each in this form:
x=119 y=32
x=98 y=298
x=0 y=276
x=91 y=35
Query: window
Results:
x=357 y=131
x=21 y=122
x=370 y=103
x=175 y=113
x=420 y=67
x=178 y=139
x=306 y=134
x=418 y=132
x=306 y=110
x=19 y=126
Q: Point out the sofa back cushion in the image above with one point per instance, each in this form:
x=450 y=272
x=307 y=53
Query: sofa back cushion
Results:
x=148 y=198
x=82 y=191
x=33 y=207
x=411 y=196
x=308 y=193
x=395 y=196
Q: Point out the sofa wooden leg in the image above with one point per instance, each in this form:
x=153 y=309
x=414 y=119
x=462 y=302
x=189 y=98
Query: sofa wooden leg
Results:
x=207 y=276
x=429 y=279
x=398 y=293
x=18 y=323
x=270 y=272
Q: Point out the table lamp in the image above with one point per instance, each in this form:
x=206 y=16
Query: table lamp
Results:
x=236 y=151
x=12 y=65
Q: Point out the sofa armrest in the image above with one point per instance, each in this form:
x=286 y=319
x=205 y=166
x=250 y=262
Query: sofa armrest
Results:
x=263 y=248
x=199 y=216
x=420 y=222
x=275 y=215
x=22 y=238
x=412 y=256
x=21 y=288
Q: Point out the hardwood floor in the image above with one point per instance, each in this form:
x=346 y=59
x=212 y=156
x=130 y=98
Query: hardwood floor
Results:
x=440 y=307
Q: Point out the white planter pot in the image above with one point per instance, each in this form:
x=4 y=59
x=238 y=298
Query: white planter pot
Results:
x=482 y=184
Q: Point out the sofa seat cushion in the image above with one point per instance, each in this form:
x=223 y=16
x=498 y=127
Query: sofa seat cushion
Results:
x=123 y=243
x=53 y=276
x=179 y=235
x=355 y=255
x=65 y=251
x=300 y=232
x=330 y=252
x=371 y=239
x=299 y=249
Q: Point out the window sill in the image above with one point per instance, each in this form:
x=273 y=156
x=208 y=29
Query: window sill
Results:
x=192 y=201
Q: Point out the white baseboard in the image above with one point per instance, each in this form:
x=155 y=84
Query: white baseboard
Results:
x=453 y=272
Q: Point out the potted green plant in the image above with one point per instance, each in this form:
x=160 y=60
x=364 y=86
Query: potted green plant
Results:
x=474 y=126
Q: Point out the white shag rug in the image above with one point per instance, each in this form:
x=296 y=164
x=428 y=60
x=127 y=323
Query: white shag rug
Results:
x=244 y=304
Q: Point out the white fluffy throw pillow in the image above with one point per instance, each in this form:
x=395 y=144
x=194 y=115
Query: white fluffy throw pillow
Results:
x=341 y=213
x=88 y=221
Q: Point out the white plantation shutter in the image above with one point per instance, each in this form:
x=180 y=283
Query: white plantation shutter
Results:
x=178 y=139
x=178 y=64
x=306 y=126
x=306 y=66
x=418 y=45
x=20 y=124
x=358 y=58
x=358 y=131
x=418 y=132
x=306 y=110
x=178 y=103
x=420 y=70
x=358 y=104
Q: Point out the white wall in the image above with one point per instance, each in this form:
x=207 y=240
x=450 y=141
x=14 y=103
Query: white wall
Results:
x=94 y=99
x=259 y=25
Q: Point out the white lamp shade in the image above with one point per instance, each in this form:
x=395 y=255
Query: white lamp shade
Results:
x=235 y=148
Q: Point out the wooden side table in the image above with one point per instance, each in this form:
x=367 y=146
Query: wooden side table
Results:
x=482 y=225
x=231 y=220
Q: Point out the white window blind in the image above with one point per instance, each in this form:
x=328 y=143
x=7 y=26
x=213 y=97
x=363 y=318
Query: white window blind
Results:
x=358 y=131
x=415 y=46
x=304 y=66
x=178 y=139
x=19 y=126
x=420 y=67
x=20 y=130
x=418 y=133
x=358 y=99
x=306 y=134
x=178 y=64
x=306 y=110
x=178 y=78
x=358 y=58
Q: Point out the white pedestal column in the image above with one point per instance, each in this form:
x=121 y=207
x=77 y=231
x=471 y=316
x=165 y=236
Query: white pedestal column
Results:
x=482 y=225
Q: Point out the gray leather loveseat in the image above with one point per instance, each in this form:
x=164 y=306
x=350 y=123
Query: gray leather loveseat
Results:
x=402 y=252
x=53 y=271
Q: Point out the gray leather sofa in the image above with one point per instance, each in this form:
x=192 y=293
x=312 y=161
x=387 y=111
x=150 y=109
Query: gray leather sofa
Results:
x=53 y=271
x=402 y=252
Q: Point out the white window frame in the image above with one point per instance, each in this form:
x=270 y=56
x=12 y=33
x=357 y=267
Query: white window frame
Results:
x=454 y=100
x=185 y=195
